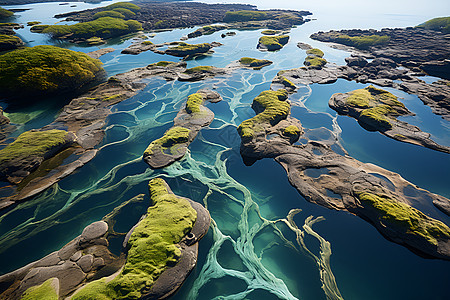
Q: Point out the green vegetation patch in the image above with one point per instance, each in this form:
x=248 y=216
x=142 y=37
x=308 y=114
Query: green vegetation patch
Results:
x=4 y=13
x=32 y=23
x=291 y=131
x=438 y=24
x=199 y=69
x=405 y=218
x=152 y=247
x=360 y=98
x=184 y=49
x=44 y=291
x=245 y=16
x=125 y=12
x=287 y=83
x=273 y=43
x=44 y=69
x=38 y=28
x=315 y=51
x=95 y=41
x=109 y=13
x=376 y=117
x=127 y=5
x=147 y=43
x=272 y=108
x=362 y=41
x=8 y=42
x=270 y=32
x=172 y=137
x=162 y=63
x=255 y=63
x=105 y=27
x=33 y=143
x=194 y=102
x=315 y=62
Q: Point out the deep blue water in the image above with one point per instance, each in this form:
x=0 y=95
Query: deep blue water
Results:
x=239 y=197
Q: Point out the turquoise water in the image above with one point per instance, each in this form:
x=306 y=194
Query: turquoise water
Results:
x=249 y=252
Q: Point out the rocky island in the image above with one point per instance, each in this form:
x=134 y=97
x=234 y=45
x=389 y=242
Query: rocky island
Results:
x=86 y=267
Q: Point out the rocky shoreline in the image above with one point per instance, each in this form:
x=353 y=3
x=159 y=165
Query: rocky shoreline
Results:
x=87 y=258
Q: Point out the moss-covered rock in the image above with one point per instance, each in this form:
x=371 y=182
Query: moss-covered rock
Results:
x=32 y=143
x=273 y=43
x=170 y=141
x=95 y=41
x=438 y=24
x=270 y=107
x=184 y=49
x=9 y=42
x=4 y=13
x=362 y=41
x=315 y=52
x=270 y=32
x=255 y=63
x=314 y=62
x=38 y=28
x=287 y=83
x=206 y=30
x=105 y=27
x=405 y=219
x=46 y=69
x=152 y=247
x=32 y=23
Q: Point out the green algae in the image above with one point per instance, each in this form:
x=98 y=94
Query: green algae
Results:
x=271 y=108
x=405 y=218
x=152 y=247
x=44 y=291
x=273 y=43
x=33 y=143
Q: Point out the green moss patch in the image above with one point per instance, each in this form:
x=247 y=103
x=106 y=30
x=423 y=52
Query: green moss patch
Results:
x=287 y=83
x=109 y=13
x=9 y=42
x=147 y=43
x=32 y=23
x=152 y=247
x=46 y=69
x=255 y=63
x=315 y=51
x=199 y=69
x=172 y=137
x=127 y=5
x=270 y=32
x=33 y=143
x=273 y=43
x=162 y=63
x=44 y=291
x=271 y=108
x=438 y=24
x=105 y=27
x=405 y=218
x=4 y=13
x=95 y=41
x=376 y=117
x=38 y=28
x=315 y=62
x=362 y=41
x=184 y=49
x=194 y=102
x=291 y=131
x=125 y=12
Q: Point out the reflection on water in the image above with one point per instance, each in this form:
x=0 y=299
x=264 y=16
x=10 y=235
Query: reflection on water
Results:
x=266 y=241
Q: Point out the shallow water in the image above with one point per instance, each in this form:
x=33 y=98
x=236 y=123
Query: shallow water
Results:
x=249 y=252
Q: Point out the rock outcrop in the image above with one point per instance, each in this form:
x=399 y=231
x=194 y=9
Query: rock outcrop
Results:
x=188 y=122
x=87 y=259
x=340 y=182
